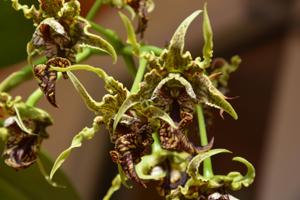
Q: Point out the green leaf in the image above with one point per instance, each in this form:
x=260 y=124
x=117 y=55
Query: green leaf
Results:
x=131 y=36
x=29 y=184
x=194 y=165
x=115 y=186
x=84 y=134
x=208 y=38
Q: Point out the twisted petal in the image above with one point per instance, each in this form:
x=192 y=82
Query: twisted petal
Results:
x=94 y=41
x=85 y=134
x=29 y=13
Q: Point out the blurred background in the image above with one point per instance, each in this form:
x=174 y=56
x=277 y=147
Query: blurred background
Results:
x=266 y=34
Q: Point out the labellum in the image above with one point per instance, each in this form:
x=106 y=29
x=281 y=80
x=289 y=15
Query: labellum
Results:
x=25 y=130
x=21 y=149
x=47 y=77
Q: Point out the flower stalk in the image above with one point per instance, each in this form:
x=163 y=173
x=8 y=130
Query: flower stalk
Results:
x=94 y=9
x=19 y=77
x=207 y=165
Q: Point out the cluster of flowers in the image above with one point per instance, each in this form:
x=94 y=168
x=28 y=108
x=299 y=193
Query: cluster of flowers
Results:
x=150 y=127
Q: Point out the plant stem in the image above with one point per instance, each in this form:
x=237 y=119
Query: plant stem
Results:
x=109 y=35
x=148 y=48
x=139 y=75
x=33 y=99
x=129 y=62
x=118 y=45
x=207 y=165
x=94 y=9
x=18 y=77
x=25 y=74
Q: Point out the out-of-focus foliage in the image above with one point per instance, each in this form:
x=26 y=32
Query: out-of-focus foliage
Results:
x=30 y=184
x=13 y=25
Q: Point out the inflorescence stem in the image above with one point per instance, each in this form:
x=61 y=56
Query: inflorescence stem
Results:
x=19 y=77
x=94 y=9
x=207 y=165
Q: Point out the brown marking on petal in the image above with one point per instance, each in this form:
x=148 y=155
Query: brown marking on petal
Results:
x=131 y=143
x=175 y=140
x=47 y=77
x=60 y=62
x=51 y=7
x=127 y=164
x=21 y=149
x=140 y=8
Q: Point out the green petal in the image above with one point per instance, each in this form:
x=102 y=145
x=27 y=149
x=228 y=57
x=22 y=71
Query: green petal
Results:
x=123 y=177
x=24 y=111
x=245 y=180
x=208 y=38
x=211 y=96
x=94 y=41
x=110 y=103
x=175 y=60
x=172 y=76
x=115 y=186
x=89 y=101
x=194 y=165
x=85 y=134
x=127 y=104
x=177 y=41
x=131 y=36
x=153 y=112
x=28 y=12
x=150 y=111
